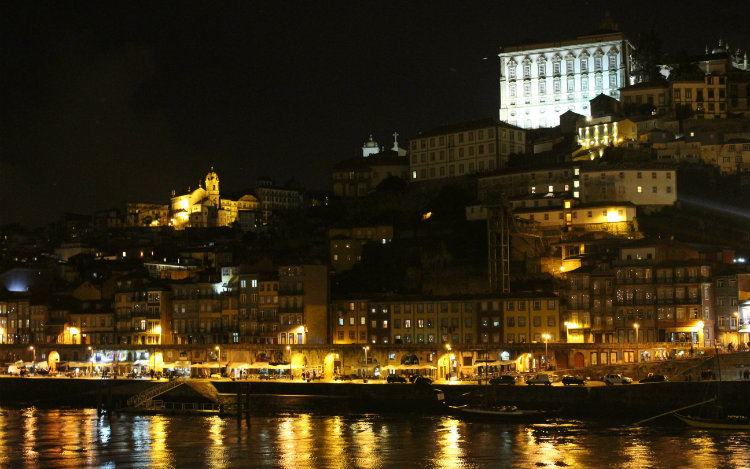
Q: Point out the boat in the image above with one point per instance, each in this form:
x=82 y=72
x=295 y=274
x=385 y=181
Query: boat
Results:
x=501 y=413
x=711 y=413
x=730 y=422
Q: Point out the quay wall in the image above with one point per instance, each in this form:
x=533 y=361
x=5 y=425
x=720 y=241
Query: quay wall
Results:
x=587 y=401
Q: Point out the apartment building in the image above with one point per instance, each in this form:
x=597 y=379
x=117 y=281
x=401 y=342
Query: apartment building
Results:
x=463 y=149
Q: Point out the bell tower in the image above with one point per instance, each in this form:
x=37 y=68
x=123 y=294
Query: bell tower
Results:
x=212 y=186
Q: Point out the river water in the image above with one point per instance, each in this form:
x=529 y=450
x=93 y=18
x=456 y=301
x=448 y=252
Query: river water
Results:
x=78 y=438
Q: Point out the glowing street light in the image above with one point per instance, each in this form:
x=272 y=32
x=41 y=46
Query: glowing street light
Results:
x=289 y=348
x=33 y=360
x=546 y=339
x=366 y=348
x=635 y=326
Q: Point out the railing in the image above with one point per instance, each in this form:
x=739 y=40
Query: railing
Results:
x=159 y=404
x=154 y=391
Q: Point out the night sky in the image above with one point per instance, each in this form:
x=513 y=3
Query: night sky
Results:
x=104 y=102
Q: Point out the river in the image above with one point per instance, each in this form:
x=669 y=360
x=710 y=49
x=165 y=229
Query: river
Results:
x=78 y=438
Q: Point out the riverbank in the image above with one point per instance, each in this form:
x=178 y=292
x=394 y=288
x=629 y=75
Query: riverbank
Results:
x=634 y=400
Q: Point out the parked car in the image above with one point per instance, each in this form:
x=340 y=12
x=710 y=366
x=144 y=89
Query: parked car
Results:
x=395 y=379
x=567 y=380
x=611 y=379
x=504 y=379
x=541 y=378
x=422 y=381
x=652 y=378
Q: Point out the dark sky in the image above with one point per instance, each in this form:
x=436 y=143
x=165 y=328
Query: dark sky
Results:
x=104 y=102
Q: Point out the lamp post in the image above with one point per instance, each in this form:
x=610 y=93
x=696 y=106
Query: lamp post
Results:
x=546 y=339
x=448 y=374
x=736 y=323
x=366 y=348
x=635 y=326
x=33 y=360
x=289 y=348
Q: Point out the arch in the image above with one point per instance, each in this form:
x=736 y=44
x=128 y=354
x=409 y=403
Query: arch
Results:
x=52 y=360
x=562 y=360
x=578 y=360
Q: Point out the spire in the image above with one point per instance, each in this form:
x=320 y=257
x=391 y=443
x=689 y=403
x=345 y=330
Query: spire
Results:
x=395 y=141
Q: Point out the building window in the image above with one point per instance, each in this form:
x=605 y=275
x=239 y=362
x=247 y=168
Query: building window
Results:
x=584 y=65
x=612 y=80
x=542 y=67
x=612 y=62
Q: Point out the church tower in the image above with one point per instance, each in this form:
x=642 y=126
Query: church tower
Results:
x=212 y=187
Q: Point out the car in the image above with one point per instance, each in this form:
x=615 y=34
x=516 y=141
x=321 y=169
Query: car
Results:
x=504 y=379
x=652 y=378
x=395 y=379
x=541 y=378
x=422 y=381
x=567 y=380
x=611 y=379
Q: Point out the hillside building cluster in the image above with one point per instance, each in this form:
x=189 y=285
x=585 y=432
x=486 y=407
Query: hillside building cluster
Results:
x=581 y=151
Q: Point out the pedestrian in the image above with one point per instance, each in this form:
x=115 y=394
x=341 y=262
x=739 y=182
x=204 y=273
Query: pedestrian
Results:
x=151 y=372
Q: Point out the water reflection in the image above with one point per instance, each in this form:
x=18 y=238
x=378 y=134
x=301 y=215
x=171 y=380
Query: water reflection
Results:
x=33 y=438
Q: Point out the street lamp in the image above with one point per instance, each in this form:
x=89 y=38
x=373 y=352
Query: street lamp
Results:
x=289 y=348
x=448 y=375
x=366 y=348
x=33 y=360
x=635 y=326
x=546 y=339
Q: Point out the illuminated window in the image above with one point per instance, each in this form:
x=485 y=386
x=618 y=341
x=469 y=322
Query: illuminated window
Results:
x=639 y=189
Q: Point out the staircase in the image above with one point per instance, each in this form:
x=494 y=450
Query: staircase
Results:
x=145 y=396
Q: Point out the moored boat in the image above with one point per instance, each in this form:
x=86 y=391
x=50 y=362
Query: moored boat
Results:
x=501 y=413
x=730 y=422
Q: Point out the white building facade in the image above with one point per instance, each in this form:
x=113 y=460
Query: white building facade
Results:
x=538 y=82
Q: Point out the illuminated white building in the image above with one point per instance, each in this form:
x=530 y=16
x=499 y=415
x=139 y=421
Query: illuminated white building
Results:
x=540 y=81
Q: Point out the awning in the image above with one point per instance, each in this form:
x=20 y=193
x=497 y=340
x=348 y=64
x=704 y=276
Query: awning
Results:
x=79 y=364
x=206 y=365
x=267 y=366
x=238 y=366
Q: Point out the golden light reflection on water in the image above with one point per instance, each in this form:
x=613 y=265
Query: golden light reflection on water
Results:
x=334 y=432
x=448 y=452
x=365 y=451
x=160 y=454
x=296 y=442
x=218 y=454
x=30 y=454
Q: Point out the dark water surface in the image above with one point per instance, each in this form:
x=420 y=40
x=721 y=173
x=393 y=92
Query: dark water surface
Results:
x=78 y=438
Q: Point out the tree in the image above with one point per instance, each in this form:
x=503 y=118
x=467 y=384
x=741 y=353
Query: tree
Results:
x=648 y=57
